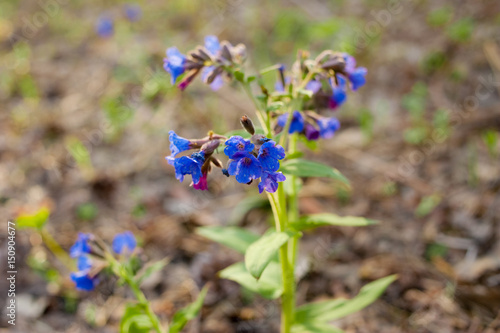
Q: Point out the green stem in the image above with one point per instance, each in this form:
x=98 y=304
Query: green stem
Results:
x=293 y=212
x=56 y=249
x=122 y=271
x=264 y=120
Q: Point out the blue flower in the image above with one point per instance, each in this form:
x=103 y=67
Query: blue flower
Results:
x=237 y=144
x=188 y=166
x=84 y=281
x=212 y=44
x=245 y=167
x=313 y=86
x=339 y=94
x=83 y=262
x=328 y=127
x=124 y=242
x=177 y=144
x=269 y=181
x=174 y=63
x=133 y=12
x=81 y=246
x=269 y=154
x=217 y=83
x=297 y=124
x=311 y=132
x=356 y=75
x=104 y=26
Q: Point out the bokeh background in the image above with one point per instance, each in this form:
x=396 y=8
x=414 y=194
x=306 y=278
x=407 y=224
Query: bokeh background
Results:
x=84 y=130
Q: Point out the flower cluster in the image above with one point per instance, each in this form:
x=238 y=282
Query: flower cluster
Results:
x=249 y=159
x=310 y=124
x=211 y=60
x=104 y=26
x=90 y=257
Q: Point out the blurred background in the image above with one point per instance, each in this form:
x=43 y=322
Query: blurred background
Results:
x=85 y=112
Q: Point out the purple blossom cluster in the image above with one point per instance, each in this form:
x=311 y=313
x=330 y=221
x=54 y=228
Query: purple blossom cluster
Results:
x=309 y=124
x=105 y=25
x=211 y=60
x=86 y=253
x=257 y=158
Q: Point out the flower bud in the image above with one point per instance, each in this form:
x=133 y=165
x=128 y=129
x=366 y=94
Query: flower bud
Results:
x=247 y=124
x=209 y=147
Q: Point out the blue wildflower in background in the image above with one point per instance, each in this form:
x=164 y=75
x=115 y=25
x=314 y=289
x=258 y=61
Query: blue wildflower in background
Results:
x=356 y=75
x=178 y=144
x=339 y=93
x=311 y=132
x=84 y=281
x=81 y=246
x=133 y=12
x=188 y=165
x=212 y=44
x=297 y=124
x=328 y=127
x=124 y=243
x=105 y=26
x=174 y=63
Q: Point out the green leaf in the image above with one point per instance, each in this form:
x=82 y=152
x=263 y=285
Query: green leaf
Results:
x=235 y=238
x=183 y=316
x=260 y=253
x=246 y=205
x=36 y=220
x=150 y=269
x=315 y=328
x=427 y=205
x=239 y=76
x=305 y=92
x=268 y=286
x=324 y=219
x=135 y=320
x=303 y=168
x=338 y=308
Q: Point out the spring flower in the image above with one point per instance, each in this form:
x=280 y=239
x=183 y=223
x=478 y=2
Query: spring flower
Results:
x=217 y=81
x=188 y=165
x=124 y=243
x=269 y=181
x=339 y=94
x=356 y=75
x=84 y=281
x=328 y=127
x=81 y=246
x=313 y=86
x=245 y=167
x=174 y=63
x=202 y=185
x=269 y=154
x=133 y=12
x=105 y=26
x=297 y=124
x=311 y=132
x=83 y=263
x=237 y=144
x=177 y=144
x=212 y=44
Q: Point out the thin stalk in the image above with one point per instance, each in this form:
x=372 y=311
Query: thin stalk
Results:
x=56 y=249
x=293 y=210
x=263 y=119
x=139 y=295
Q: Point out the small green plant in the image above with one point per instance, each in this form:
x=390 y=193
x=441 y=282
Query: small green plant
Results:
x=440 y=17
x=461 y=30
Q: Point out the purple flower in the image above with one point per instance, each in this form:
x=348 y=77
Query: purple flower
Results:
x=124 y=242
x=339 y=94
x=355 y=75
x=237 y=144
x=245 y=167
x=217 y=83
x=188 y=165
x=177 y=144
x=313 y=86
x=311 y=132
x=212 y=44
x=269 y=181
x=104 y=26
x=278 y=86
x=81 y=246
x=269 y=154
x=297 y=124
x=174 y=63
x=328 y=127
x=202 y=184
x=84 y=281
x=133 y=12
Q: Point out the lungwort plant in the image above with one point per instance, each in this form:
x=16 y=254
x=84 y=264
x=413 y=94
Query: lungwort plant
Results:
x=297 y=109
